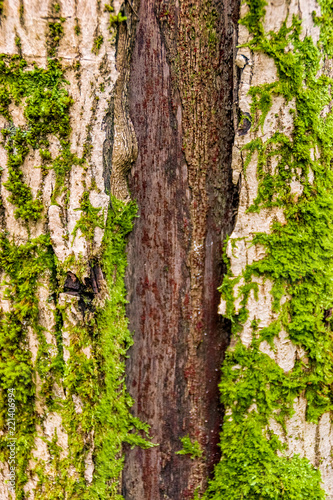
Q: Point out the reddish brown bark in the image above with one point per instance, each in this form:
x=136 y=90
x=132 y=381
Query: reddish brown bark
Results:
x=181 y=94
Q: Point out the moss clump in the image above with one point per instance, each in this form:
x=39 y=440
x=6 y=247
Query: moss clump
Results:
x=108 y=8
x=46 y=110
x=190 y=447
x=55 y=34
x=299 y=263
x=91 y=218
x=98 y=42
x=21 y=196
x=115 y=20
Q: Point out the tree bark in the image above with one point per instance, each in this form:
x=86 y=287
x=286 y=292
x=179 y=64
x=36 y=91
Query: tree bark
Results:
x=181 y=95
x=211 y=121
x=64 y=217
x=281 y=336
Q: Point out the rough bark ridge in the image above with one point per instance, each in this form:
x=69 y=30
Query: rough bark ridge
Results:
x=181 y=95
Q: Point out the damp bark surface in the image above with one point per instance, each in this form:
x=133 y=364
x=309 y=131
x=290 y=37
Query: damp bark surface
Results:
x=181 y=95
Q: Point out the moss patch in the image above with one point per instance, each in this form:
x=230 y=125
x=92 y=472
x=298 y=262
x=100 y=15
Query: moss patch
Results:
x=46 y=103
x=94 y=405
x=190 y=447
x=299 y=262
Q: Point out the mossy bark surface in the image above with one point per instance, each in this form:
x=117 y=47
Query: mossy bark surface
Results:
x=191 y=140
x=65 y=215
x=276 y=381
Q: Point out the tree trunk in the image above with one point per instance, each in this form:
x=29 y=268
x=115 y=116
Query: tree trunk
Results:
x=181 y=95
x=65 y=215
x=277 y=375
x=151 y=152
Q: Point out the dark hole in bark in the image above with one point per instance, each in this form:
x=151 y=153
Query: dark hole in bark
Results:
x=244 y=123
x=328 y=316
x=72 y=284
x=86 y=290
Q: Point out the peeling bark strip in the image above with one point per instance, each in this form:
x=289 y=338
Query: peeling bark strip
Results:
x=65 y=214
x=181 y=94
x=277 y=436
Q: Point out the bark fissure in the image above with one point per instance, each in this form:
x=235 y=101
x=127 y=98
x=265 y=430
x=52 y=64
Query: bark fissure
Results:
x=181 y=103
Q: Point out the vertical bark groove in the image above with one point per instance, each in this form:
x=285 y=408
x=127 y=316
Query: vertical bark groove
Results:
x=182 y=182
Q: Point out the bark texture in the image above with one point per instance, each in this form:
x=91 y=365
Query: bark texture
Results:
x=67 y=145
x=181 y=95
x=216 y=129
x=279 y=185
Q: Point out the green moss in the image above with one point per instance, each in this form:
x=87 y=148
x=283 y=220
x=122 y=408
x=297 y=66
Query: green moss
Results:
x=261 y=102
x=62 y=165
x=91 y=218
x=55 y=34
x=46 y=110
x=299 y=263
x=108 y=8
x=98 y=42
x=21 y=196
x=326 y=28
x=77 y=28
x=24 y=266
x=21 y=12
x=46 y=105
x=18 y=45
x=115 y=20
x=97 y=380
x=116 y=424
x=190 y=448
